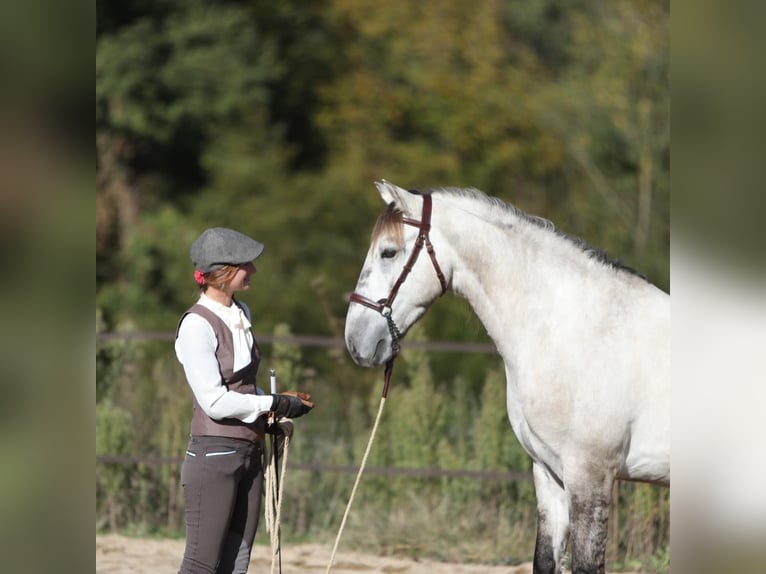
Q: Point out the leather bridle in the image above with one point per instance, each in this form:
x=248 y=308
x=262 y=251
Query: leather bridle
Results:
x=383 y=306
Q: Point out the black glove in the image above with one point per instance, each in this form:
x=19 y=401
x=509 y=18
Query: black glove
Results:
x=290 y=406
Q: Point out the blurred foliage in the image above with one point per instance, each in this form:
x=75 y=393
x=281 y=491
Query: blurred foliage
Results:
x=275 y=118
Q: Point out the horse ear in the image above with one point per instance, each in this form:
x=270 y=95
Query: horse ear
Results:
x=408 y=203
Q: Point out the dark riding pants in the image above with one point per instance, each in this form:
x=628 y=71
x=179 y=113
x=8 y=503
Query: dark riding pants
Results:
x=222 y=480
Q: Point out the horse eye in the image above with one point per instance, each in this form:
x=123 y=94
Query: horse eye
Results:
x=388 y=253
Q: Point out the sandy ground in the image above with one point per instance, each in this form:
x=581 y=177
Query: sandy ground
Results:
x=121 y=555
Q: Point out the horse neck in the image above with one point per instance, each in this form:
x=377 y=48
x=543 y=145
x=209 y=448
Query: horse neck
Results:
x=517 y=275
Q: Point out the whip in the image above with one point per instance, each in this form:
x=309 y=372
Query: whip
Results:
x=273 y=487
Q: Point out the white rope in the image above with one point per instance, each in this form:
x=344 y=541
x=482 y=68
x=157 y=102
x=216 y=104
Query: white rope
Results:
x=356 y=483
x=273 y=510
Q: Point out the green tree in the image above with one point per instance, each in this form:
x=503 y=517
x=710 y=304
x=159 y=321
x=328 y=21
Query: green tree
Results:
x=611 y=111
x=170 y=79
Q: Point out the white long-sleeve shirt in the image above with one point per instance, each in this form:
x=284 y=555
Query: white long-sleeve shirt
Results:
x=195 y=348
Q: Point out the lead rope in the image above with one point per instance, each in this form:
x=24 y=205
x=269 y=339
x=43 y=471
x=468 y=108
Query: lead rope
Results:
x=274 y=489
x=387 y=377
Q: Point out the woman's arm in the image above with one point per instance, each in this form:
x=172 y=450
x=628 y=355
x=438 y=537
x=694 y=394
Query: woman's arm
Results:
x=195 y=348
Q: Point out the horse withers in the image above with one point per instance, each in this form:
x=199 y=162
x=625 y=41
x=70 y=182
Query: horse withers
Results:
x=585 y=342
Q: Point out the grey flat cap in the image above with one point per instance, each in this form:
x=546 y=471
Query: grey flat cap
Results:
x=219 y=246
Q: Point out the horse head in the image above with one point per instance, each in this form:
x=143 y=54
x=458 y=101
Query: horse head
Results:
x=399 y=280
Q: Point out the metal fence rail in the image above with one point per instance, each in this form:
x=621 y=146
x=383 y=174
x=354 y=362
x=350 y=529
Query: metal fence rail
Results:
x=518 y=476
x=306 y=341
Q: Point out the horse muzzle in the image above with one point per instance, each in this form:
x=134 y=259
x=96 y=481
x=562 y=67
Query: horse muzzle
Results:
x=369 y=353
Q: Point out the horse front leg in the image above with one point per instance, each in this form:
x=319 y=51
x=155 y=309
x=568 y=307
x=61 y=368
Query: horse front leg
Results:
x=552 y=522
x=589 y=514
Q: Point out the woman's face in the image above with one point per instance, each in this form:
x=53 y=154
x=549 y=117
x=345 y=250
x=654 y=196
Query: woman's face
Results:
x=241 y=281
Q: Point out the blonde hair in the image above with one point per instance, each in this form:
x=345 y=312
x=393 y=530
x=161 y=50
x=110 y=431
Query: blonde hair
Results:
x=219 y=278
x=390 y=221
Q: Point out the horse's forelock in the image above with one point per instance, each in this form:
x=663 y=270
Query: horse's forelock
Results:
x=389 y=223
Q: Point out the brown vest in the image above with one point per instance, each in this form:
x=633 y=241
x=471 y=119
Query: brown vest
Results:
x=243 y=381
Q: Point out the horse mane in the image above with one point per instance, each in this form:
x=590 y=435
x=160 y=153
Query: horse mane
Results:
x=389 y=222
x=494 y=209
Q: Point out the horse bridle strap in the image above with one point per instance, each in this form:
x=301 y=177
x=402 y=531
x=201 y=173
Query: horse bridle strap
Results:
x=383 y=306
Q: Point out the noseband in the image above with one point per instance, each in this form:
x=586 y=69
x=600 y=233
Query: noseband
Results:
x=383 y=306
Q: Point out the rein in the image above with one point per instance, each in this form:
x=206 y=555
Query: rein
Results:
x=384 y=306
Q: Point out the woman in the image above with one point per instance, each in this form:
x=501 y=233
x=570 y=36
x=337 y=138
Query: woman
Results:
x=222 y=473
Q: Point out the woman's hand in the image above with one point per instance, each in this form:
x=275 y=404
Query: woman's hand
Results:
x=291 y=404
